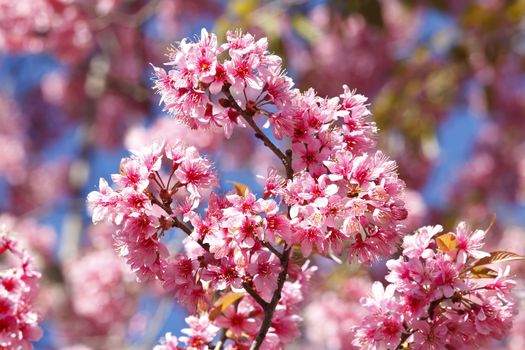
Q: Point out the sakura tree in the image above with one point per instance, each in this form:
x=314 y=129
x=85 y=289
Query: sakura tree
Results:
x=195 y=225
x=245 y=266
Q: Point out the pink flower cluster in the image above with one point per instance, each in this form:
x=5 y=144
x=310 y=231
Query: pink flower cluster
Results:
x=241 y=320
x=197 y=337
x=98 y=282
x=237 y=266
x=18 y=290
x=228 y=249
x=193 y=91
x=343 y=189
x=441 y=294
x=139 y=186
x=340 y=197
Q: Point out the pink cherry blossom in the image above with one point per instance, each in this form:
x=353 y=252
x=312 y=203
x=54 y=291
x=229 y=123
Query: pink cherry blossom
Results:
x=19 y=322
x=438 y=297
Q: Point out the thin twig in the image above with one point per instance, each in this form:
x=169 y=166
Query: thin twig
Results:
x=430 y=311
x=220 y=343
x=270 y=308
x=272 y=249
x=248 y=117
x=248 y=287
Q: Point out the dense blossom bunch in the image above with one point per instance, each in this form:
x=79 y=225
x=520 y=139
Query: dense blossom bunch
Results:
x=18 y=290
x=242 y=273
x=340 y=196
x=343 y=189
x=243 y=270
x=141 y=207
x=441 y=294
x=140 y=185
x=200 y=333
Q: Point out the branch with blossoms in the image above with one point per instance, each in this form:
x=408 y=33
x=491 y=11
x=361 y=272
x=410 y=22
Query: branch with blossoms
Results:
x=337 y=196
x=19 y=322
x=441 y=294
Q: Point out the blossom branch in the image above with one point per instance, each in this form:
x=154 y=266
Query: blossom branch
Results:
x=316 y=197
x=272 y=249
x=249 y=289
x=270 y=308
x=284 y=257
x=248 y=117
x=431 y=310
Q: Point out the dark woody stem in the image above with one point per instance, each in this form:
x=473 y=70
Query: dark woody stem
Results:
x=270 y=307
x=431 y=311
x=248 y=115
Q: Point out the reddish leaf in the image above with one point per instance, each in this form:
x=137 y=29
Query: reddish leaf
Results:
x=497 y=257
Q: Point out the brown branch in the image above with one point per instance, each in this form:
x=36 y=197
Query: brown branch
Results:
x=430 y=311
x=284 y=257
x=270 y=308
x=220 y=343
x=272 y=249
x=177 y=223
x=248 y=115
x=181 y=225
x=188 y=231
x=404 y=337
x=249 y=289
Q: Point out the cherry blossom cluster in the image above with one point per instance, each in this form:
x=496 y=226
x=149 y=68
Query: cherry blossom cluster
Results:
x=99 y=281
x=139 y=186
x=243 y=269
x=18 y=290
x=200 y=333
x=340 y=196
x=228 y=270
x=240 y=317
x=193 y=90
x=441 y=294
x=343 y=189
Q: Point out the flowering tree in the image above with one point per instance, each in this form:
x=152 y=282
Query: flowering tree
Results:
x=84 y=66
x=243 y=272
